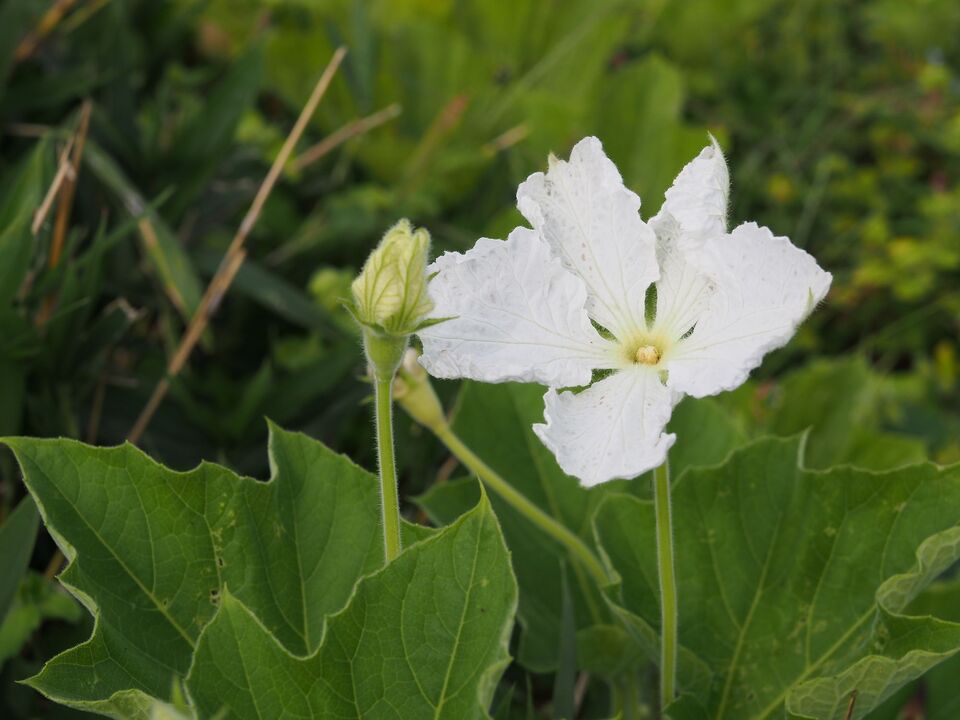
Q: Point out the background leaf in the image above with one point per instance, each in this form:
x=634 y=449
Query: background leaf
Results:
x=37 y=600
x=21 y=196
x=17 y=535
x=171 y=262
x=839 y=402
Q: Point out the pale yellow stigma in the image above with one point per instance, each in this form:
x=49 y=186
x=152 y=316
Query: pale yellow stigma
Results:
x=647 y=355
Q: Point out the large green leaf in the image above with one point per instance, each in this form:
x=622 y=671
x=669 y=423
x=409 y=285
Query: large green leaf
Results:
x=793 y=583
x=936 y=691
x=706 y=434
x=151 y=552
x=426 y=637
x=939 y=686
x=511 y=448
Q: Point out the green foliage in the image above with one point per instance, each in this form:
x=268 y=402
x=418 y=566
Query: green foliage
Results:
x=794 y=584
x=16 y=544
x=37 y=600
x=514 y=451
x=424 y=637
x=849 y=409
x=842 y=123
x=21 y=196
x=154 y=553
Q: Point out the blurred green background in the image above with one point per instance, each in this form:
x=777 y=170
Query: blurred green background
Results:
x=840 y=120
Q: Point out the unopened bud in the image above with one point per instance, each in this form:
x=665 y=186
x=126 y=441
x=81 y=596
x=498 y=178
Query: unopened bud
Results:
x=390 y=294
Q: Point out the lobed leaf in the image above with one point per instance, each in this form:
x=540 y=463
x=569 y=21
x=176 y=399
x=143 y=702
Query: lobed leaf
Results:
x=152 y=550
x=425 y=637
x=793 y=583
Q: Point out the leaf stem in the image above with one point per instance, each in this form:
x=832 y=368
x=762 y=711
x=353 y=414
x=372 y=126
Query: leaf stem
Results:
x=668 y=585
x=572 y=542
x=389 y=495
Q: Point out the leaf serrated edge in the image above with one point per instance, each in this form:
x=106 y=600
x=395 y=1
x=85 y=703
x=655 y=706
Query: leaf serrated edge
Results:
x=488 y=679
x=883 y=593
x=893 y=595
x=21 y=447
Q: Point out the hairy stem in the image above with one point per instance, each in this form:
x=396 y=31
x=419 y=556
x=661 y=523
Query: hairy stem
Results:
x=668 y=585
x=577 y=547
x=389 y=495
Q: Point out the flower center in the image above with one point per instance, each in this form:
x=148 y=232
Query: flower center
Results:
x=647 y=355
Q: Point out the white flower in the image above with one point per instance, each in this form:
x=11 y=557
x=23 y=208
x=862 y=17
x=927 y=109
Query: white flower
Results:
x=674 y=306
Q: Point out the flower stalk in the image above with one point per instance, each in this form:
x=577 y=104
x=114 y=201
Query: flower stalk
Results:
x=390 y=303
x=415 y=394
x=668 y=584
x=389 y=493
x=384 y=353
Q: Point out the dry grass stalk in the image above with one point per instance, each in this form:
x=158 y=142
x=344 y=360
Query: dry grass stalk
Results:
x=235 y=254
x=347 y=132
x=506 y=140
x=64 y=169
x=47 y=24
x=63 y=189
x=65 y=206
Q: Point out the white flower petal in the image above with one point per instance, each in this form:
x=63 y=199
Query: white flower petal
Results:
x=684 y=291
x=592 y=223
x=613 y=429
x=765 y=287
x=695 y=207
x=517 y=315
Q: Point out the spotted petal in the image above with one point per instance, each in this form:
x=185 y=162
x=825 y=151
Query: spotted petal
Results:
x=592 y=223
x=765 y=287
x=613 y=429
x=695 y=207
x=517 y=315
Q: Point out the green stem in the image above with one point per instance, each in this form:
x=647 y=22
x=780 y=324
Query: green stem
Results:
x=627 y=698
x=577 y=547
x=389 y=496
x=668 y=585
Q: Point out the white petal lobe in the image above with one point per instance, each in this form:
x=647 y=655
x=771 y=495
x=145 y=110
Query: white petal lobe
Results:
x=517 y=315
x=684 y=291
x=613 y=429
x=695 y=207
x=765 y=287
x=592 y=223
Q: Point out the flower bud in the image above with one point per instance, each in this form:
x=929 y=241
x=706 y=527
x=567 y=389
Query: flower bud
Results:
x=390 y=294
